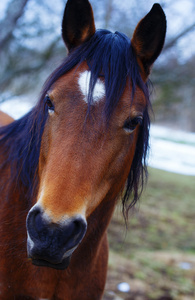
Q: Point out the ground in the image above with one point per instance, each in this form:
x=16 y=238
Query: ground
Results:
x=156 y=254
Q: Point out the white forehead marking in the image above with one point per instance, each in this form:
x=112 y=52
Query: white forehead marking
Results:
x=99 y=89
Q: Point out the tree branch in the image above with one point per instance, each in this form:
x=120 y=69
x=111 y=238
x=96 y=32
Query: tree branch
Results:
x=7 y=25
x=171 y=43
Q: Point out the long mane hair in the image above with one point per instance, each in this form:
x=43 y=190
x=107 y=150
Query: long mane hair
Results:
x=107 y=54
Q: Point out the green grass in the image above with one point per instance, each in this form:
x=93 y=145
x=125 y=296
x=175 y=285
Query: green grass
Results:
x=161 y=234
x=163 y=219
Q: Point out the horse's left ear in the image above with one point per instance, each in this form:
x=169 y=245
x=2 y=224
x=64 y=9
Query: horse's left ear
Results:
x=148 y=38
x=78 y=23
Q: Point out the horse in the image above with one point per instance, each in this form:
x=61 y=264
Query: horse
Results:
x=65 y=164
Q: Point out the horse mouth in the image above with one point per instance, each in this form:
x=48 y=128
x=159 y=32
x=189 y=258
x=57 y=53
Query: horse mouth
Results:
x=59 y=266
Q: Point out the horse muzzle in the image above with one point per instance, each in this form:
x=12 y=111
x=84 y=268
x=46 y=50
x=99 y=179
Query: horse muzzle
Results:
x=50 y=244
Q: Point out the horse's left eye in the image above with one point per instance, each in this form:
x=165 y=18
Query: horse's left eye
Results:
x=130 y=124
x=49 y=104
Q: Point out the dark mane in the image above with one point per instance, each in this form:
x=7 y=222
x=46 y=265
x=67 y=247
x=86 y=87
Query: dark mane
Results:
x=109 y=55
x=20 y=147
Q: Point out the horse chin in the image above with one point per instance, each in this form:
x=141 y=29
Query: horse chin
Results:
x=60 y=266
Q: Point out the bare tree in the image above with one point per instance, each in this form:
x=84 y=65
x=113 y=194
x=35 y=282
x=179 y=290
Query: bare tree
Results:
x=31 y=48
x=171 y=43
x=14 y=11
x=26 y=46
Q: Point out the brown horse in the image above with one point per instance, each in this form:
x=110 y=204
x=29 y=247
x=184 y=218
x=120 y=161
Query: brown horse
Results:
x=65 y=164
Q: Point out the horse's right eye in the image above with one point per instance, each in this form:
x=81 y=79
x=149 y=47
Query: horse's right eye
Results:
x=49 y=104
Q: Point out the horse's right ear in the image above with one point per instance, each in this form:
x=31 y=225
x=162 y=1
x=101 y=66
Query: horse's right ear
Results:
x=78 y=23
x=148 y=38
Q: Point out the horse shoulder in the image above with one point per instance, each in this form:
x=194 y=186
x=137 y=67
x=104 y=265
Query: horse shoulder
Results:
x=5 y=119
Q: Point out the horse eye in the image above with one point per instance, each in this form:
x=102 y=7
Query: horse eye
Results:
x=130 y=124
x=49 y=104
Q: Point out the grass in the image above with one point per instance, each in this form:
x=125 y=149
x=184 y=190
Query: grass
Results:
x=160 y=237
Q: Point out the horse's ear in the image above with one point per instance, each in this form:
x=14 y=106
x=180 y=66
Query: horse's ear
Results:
x=148 y=38
x=78 y=23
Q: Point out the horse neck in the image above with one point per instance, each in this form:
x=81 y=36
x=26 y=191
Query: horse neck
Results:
x=95 y=241
x=100 y=218
x=12 y=190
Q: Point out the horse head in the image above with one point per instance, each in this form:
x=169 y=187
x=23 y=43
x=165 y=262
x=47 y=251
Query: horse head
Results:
x=96 y=131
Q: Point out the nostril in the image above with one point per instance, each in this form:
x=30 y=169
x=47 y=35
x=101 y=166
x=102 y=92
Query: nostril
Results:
x=37 y=227
x=38 y=222
x=76 y=227
x=32 y=215
x=80 y=227
x=79 y=230
x=72 y=233
x=30 y=222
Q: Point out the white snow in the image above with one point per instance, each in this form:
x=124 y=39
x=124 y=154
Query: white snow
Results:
x=16 y=107
x=170 y=150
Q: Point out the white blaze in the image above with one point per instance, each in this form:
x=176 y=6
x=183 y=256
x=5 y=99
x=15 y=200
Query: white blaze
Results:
x=99 y=89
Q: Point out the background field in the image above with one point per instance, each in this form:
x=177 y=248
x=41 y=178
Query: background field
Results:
x=156 y=254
